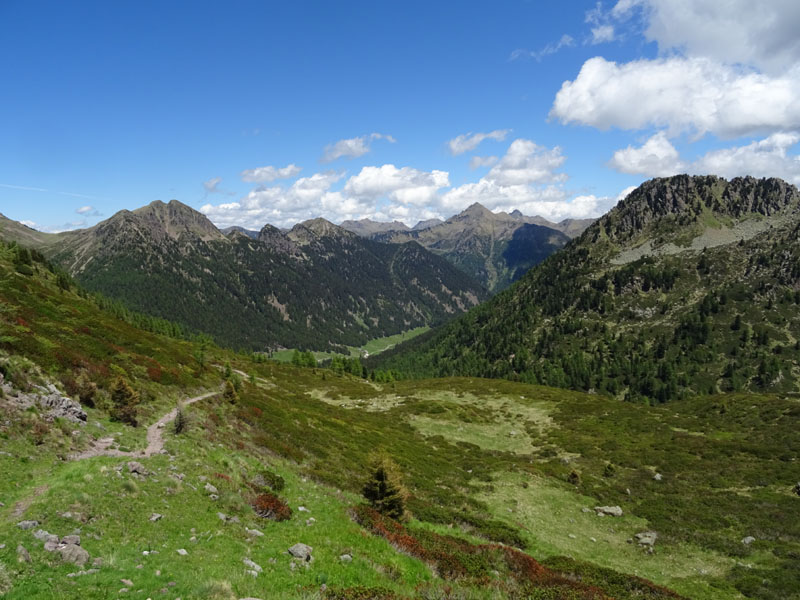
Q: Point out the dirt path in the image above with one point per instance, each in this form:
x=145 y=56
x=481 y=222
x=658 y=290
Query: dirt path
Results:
x=155 y=437
x=21 y=506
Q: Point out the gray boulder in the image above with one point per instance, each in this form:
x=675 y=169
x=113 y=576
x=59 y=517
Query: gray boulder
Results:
x=301 y=551
x=646 y=538
x=27 y=524
x=74 y=554
x=748 y=540
x=137 y=468
x=611 y=511
x=22 y=554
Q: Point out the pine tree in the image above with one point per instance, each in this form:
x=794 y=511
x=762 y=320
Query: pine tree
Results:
x=123 y=402
x=230 y=393
x=384 y=489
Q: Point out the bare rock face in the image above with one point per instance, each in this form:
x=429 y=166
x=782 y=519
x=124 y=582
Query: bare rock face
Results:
x=58 y=405
x=49 y=399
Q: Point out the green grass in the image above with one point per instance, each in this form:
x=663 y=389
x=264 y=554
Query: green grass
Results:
x=727 y=462
x=372 y=347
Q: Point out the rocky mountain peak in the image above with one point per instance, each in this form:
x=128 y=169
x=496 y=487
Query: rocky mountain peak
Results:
x=687 y=202
x=475 y=211
x=175 y=220
x=314 y=229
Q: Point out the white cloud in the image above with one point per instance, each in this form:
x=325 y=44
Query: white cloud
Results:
x=353 y=147
x=482 y=161
x=566 y=41
x=266 y=174
x=681 y=94
x=768 y=157
x=602 y=34
x=657 y=157
x=624 y=193
x=469 y=141
x=525 y=178
x=405 y=185
x=552 y=202
x=31 y=224
x=764 y=158
x=83 y=210
x=276 y=205
x=211 y=185
x=762 y=34
x=526 y=162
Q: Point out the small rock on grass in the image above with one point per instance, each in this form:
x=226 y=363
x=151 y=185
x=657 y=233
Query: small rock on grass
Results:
x=301 y=551
x=182 y=552
x=251 y=565
x=24 y=525
x=22 y=554
x=74 y=554
x=612 y=511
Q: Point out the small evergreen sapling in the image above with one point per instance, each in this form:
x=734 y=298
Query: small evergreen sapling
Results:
x=124 y=401
x=384 y=488
x=181 y=420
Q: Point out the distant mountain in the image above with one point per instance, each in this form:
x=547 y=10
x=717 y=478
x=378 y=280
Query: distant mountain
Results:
x=248 y=232
x=316 y=286
x=368 y=227
x=427 y=224
x=493 y=248
x=688 y=286
x=13 y=230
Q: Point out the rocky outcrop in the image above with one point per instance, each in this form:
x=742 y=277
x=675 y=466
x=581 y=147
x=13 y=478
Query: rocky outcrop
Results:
x=48 y=399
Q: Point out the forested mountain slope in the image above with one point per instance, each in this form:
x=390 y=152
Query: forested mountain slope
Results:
x=689 y=285
x=317 y=286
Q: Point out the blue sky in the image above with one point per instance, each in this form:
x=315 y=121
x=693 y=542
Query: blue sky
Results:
x=265 y=112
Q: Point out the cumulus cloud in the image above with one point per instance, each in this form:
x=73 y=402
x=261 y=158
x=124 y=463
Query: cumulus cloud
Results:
x=680 y=94
x=276 y=205
x=353 y=147
x=526 y=162
x=469 y=141
x=405 y=185
x=525 y=178
x=768 y=157
x=762 y=34
x=266 y=174
x=657 y=157
x=763 y=158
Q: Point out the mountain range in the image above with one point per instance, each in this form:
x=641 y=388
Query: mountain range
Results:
x=493 y=248
x=316 y=286
x=690 y=285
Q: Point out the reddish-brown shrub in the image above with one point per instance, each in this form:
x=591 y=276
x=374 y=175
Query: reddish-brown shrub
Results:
x=270 y=506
